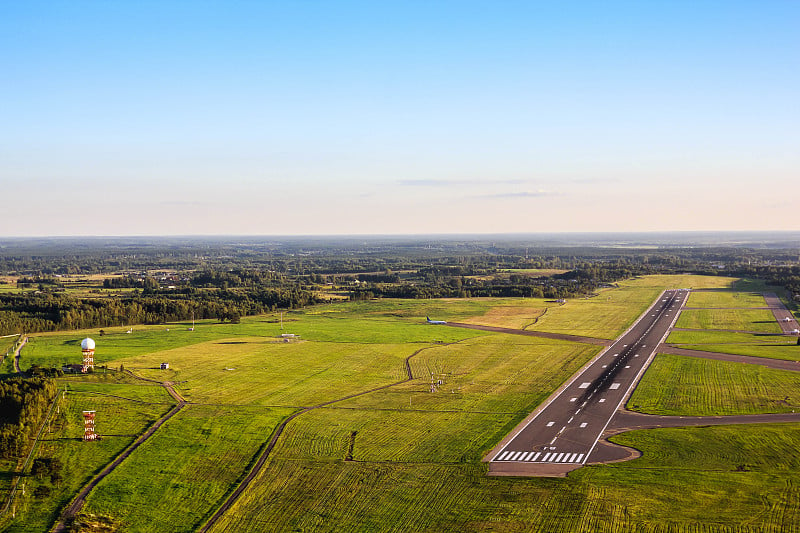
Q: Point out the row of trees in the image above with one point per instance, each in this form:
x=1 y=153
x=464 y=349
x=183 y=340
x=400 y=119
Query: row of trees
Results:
x=30 y=313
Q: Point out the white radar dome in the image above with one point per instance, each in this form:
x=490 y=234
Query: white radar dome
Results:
x=87 y=344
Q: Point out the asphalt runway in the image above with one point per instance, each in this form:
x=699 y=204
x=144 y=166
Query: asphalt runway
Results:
x=562 y=436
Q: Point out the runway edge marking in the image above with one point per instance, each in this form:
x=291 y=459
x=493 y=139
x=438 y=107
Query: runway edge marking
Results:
x=505 y=441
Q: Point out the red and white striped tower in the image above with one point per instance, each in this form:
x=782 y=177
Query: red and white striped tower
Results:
x=87 y=347
x=88 y=426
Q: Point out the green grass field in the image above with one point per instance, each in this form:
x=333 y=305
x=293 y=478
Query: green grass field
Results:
x=612 y=311
x=727 y=337
x=753 y=345
x=177 y=476
x=688 y=386
x=746 y=474
x=400 y=458
x=790 y=352
x=760 y=320
x=119 y=422
x=725 y=299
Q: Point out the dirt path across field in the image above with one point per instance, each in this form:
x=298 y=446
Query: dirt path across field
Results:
x=262 y=459
x=530 y=333
x=78 y=502
x=22 y=343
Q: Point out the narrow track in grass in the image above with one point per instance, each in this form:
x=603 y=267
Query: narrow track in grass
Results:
x=22 y=342
x=530 y=333
x=262 y=459
x=79 y=501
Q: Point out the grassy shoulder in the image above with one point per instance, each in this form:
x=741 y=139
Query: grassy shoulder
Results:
x=677 y=385
x=725 y=298
x=728 y=337
x=758 y=320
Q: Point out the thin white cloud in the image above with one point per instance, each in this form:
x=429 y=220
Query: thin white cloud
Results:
x=456 y=183
x=520 y=194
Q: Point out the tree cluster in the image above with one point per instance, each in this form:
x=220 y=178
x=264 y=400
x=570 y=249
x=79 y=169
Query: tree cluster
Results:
x=24 y=403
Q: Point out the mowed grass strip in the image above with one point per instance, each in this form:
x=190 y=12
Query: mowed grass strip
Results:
x=677 y=385
x=760 y=320
x=789 y=352
x=181 y=473
x=727 y=337
x=725 y=298
x=141 y=391
x=118 y=421
x=746 y=474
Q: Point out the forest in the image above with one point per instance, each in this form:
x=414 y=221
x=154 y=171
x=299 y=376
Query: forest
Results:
x=24 y=403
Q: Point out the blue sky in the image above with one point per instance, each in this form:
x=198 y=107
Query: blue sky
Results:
x=312 y=117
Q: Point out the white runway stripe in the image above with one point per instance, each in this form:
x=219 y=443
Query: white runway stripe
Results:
x=546 y=457
x=516 y=456
x=535 y=456
x=572 y=458
x=502 y=456
x=579 y=459
x=525 y=456
x=557 y=459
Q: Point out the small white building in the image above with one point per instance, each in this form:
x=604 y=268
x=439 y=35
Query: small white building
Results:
x=164 y=366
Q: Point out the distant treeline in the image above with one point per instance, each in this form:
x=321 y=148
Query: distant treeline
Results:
x=24 y=403
x=42 y=311
x=228 y=281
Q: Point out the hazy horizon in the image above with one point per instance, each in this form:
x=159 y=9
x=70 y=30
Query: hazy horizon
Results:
x=415 y=118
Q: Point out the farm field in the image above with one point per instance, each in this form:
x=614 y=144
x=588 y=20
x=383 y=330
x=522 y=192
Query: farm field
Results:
x=759 y=320
x=403 y=458
x=688 y=386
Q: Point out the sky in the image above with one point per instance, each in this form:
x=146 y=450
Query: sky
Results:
x=315 y=117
